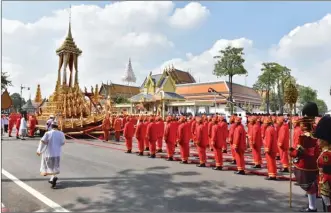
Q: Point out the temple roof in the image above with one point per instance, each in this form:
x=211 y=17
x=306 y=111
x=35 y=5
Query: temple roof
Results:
x=28 y=105
x=69 y=44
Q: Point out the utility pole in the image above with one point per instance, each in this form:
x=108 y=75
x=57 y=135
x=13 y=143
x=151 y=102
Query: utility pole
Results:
x=21 y=98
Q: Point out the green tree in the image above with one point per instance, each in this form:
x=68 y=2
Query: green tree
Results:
x=17 y=101
x=306 y=94
x=267 y=80
x=322 y=107
x=283 y=74
x=229 y=63
x=5 y=82
x=120 y=100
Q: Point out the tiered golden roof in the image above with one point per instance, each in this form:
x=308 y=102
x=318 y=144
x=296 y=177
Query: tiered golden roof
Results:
x=69 y=44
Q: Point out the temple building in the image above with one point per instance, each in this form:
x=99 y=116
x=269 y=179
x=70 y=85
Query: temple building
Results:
x=111 y=90
x=176 y=92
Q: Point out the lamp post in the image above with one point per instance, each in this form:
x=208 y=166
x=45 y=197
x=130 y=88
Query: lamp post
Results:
x=21 y=98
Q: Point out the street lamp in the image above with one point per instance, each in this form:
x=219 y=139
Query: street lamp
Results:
x=21 y=98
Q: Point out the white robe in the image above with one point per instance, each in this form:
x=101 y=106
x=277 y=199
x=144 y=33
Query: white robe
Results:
x=23 y=127
x=50 y=147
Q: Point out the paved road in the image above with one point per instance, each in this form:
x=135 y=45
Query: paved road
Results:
x=96 y=178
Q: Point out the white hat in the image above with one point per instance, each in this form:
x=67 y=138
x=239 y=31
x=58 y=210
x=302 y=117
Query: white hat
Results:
x=54 y=123
x=51 y=116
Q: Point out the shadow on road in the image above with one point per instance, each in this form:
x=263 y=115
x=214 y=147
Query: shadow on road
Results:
x=155 y=190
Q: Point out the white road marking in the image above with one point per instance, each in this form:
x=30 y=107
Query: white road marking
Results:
x=35 y=193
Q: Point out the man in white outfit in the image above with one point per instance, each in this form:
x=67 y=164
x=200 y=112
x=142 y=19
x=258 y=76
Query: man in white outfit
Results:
x=50 y=147
x=49 y=122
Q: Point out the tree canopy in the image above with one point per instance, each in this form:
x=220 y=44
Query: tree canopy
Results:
x=17 y=101
x=5 y=81
x=229 y=63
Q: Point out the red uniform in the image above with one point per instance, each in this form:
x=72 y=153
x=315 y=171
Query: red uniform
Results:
x=193 y=130
x=106 y=128
x=224 y=134
x=270 y=148
x=202 y=141
x=324 y=165
x=118 y=128
x=296 y=135
x=170 y=138
x=11 y=123
x=141 y=135
x=152 y=137
x=17 y=125
x=183 y=138
x=231 y=132
x=249 y=133
x=32 y=125
x=146 y=139
x=128 y=134
x=217 y=142
x=277 y=127
x=160 y=130
x=256 y=143
x=239 y=145
x=284 y=144
x=209 y=126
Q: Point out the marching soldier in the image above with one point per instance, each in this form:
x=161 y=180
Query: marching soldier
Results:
x=283 y=143
x=305 y=156
x=106 y=127
x=256 y=142
x=239 y=145
x=151 y=136
x=323 y=133
x=146 y=123
x=118 y=128
x=183 y=140
x=217 y=143
x=128 y=134
x=160 y=129
x=170 y=137
x=141 y=135
x=270 y=149
x=225 y=132
x=231 y=132
x=202 y=142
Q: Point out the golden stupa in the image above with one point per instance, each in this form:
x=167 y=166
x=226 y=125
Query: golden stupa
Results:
x=67 y=104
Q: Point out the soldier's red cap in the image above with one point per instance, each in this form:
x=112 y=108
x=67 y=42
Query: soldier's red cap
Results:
x=267 y=120
x=238 y=119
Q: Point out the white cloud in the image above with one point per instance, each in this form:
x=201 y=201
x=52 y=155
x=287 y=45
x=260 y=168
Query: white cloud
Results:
x=190 y=16
x=107 y=36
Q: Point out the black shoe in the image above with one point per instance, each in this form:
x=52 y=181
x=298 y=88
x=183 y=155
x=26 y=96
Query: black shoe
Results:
x=241 y=172
x=270 y=178
x=284 y=170
x=257 y=166
x=170 y=159
x=308 y=210
x=54 y=182
x=224 y=151
x=152 y=156
x=10 y=136
x=23 y=139
x=184 y=162
x=201 y=165
x=218 y=168
x=128 y=151
x=140 y=154
x=277 y=158
x=234 y=162
x=147 y=149
x=17 y=137
x=159 y=151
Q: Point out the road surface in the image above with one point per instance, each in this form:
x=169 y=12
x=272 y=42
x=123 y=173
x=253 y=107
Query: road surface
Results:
x=100 y=177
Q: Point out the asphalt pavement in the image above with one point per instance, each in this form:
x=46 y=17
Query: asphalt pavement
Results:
x=100 y=177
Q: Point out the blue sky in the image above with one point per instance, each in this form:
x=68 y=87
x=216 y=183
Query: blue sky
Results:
x=263 y=22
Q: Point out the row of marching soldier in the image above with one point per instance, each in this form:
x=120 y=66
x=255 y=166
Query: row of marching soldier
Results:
x=24 y=124
x=263 y=131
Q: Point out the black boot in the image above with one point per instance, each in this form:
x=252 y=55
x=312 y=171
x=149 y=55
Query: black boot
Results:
x=152 y=156
x=278 y=158
x=184 y=162
x=140 y=154
x=240 y=172
x=170 y=159
x=54 y=183
x=257 y=166
x=201 y=165
x=218 y=168
x=234 y=162
x=128 y=151
x=159 y=151
x=284 y=170
x=147 y=149
x=270 y=178
x=308 y=210
x=225 y=151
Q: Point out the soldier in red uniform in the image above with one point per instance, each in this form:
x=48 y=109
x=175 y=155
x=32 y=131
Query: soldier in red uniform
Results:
x=183 y=140
x=146 y=122
x=17 y=126
x=202 y=142
x=170 y=137
x=239 y=146
x=297 y=131
x=32 y=125
x=256 y=142
x=141 y=135
x=209 y=125
x=217 y=137
x=283 y=143
x=128 y=134
x=270 y=149
x=193 y=129
x=224 y=132
x=305 y=156
x=160 y=130
x=118 y=128
x=106 y=127
x=11 y=123
x=151 y=136
x=231 y=131
x=323 y=133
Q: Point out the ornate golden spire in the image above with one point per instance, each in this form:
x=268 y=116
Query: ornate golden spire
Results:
x=38 y=98
x=69 y=43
